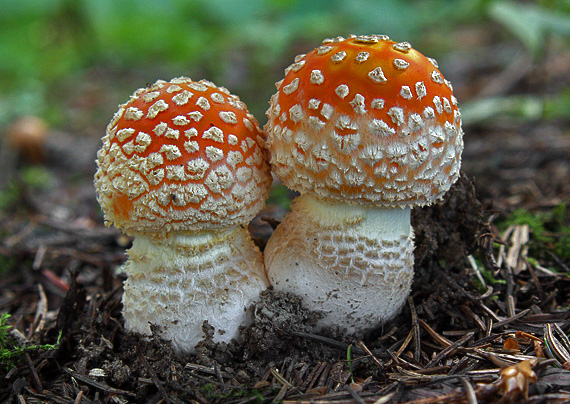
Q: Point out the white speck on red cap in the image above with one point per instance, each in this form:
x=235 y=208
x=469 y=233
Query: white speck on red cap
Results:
x=387 y=106
x=152 y=170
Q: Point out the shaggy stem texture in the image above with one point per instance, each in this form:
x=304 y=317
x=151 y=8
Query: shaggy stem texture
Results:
x=352 y=263
x=179 y=281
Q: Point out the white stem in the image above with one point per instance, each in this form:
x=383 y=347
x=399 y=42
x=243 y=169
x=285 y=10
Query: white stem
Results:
x=379 y=223
x=184 y=279
x=352 y=263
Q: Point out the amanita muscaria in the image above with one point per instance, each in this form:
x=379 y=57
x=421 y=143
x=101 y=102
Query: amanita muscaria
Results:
x=364 y=128
x=183 y=169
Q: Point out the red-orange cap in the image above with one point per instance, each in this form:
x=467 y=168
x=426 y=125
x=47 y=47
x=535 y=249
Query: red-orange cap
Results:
x=182 y=156
x=366 y=120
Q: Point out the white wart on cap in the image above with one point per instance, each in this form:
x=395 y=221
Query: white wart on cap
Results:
x=366 y=120
x=181 y=155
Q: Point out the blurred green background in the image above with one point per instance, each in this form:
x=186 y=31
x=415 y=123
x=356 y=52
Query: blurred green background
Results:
x=72 y=61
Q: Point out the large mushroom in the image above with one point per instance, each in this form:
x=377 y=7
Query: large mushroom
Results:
x=183 y=169
x=364 y=128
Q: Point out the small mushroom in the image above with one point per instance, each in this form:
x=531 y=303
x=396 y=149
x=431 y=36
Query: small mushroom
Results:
x=183 y=170
x=27 y=136
x=364 y=128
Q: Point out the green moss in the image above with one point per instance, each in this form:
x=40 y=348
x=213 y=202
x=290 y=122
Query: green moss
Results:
x=488 y=277
x=207 y=390
x=10 y=351
x=549 y=231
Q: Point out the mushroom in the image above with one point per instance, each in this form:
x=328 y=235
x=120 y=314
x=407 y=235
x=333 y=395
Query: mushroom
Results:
x=364 y=128
x=183 y=169
x=27 y=137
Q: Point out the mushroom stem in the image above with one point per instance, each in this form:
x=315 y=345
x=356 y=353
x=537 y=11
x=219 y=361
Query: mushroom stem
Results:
x=353 y=263
x=183 y=279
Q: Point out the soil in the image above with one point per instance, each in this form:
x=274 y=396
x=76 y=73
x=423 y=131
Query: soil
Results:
x=484 y=323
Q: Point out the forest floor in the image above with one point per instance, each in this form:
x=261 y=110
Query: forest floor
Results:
x=487 y=320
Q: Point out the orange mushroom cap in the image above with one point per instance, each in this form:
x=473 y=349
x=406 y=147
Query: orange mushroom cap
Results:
x=182 y=156
x=365 y=120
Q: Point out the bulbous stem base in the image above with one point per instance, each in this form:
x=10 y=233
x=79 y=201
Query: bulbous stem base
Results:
x=184 y=279
x=352 y=263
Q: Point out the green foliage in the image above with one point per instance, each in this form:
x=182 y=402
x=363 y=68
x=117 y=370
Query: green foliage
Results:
x=550 y=231
x=37 y=177
x=207 y=389
x=559 y=106
x=531 y=23
x=349 y=361
x=526 y=107
x=517 y=107
x=280 y=195
x=10 y=351
x=488 y=277
x=9 y=196
x=4 y=328
x=44 y=41
x=30 y=179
